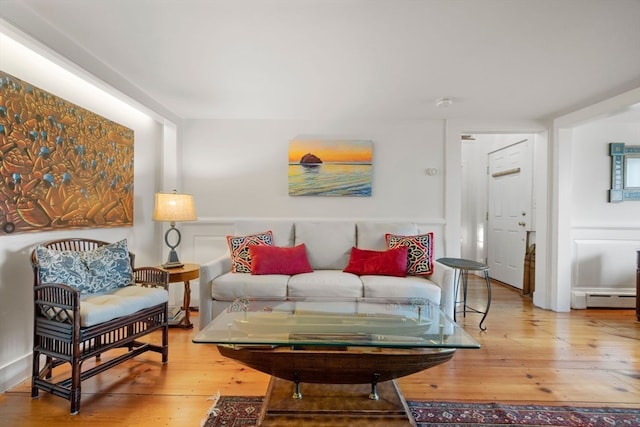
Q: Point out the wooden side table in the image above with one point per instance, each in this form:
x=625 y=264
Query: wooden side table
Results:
x=184 y=274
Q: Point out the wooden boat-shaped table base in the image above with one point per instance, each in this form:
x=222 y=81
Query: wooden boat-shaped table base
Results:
x=336 y=386
x=334 y=405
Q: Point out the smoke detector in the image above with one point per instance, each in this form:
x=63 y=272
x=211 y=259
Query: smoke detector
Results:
x=443 y=102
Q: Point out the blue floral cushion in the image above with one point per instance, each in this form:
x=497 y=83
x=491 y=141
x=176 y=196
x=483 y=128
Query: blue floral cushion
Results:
x=62 y=267
x=104 y=268
x=109 y=265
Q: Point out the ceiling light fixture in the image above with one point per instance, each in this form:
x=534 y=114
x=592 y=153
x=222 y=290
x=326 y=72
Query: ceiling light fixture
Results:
x=443 y=102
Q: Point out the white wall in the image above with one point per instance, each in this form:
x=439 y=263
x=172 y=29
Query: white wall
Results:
x=238 y=168
x=592 y=173
x=16 y=280
x=605 y=236
x=560 y=272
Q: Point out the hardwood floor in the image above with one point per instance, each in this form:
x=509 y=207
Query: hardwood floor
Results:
x=528 y=356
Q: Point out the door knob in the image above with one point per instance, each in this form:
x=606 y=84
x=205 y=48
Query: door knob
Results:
x=522 y=223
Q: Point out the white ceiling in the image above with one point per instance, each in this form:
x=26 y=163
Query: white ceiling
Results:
x=348 y=59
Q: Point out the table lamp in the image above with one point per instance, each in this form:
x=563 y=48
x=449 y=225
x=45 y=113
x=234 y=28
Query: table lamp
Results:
x=173 y=207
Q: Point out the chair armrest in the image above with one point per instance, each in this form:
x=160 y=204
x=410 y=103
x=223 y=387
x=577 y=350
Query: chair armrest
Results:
x=443 y=276
x=151 y=277
x=208 y=272
x=57 y=302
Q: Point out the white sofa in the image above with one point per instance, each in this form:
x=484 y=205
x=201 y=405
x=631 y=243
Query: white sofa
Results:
x=328 y=245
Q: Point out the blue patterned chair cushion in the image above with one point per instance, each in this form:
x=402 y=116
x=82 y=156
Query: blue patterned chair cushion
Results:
x=104 y=268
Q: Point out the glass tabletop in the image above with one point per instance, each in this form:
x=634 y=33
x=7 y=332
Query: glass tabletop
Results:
x=363 y=322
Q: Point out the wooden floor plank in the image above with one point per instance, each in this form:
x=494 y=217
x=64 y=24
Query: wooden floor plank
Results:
x=528 y=355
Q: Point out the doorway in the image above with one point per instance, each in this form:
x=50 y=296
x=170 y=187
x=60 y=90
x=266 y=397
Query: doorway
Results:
x=497 y=203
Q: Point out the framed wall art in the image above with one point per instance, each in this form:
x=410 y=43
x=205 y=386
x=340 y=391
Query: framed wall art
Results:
x=625 y=172
x=61 y=166
x=320 y=167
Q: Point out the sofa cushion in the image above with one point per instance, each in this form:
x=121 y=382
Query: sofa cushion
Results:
x=371 y=235
x=392 y=262
x=282 y=231
x=325 y=283
x=400 y=287
x=230 y=286
x=328 y=243
x=97 y=270
x=420 y=256
x=239 y=249
x=279 y=260
x=99 y=308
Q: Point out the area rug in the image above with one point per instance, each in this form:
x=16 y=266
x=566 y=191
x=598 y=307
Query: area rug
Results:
x=232 y=411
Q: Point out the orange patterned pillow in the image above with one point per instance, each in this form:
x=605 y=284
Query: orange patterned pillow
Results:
x=239 y=249
x=420 y=256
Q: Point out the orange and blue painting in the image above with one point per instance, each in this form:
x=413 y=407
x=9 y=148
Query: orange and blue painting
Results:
x=321 y=167
x=61 y=166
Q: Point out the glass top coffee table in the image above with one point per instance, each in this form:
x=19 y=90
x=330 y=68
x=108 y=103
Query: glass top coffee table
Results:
x=349 y=351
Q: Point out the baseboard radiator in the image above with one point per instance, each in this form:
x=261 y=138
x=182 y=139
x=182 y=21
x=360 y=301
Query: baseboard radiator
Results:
x=604 y=298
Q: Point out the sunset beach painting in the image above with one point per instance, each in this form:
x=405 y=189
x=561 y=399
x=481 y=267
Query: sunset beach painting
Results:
x=321 y=167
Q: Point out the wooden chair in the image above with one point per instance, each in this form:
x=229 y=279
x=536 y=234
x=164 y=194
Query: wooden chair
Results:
x=59 y=337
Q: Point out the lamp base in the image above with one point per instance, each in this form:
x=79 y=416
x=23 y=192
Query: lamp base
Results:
x=172 y=259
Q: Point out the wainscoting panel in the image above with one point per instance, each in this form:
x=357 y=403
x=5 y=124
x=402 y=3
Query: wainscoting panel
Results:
x=604 y=265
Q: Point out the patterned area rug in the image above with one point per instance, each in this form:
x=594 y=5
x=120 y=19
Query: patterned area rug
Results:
x=232 y=411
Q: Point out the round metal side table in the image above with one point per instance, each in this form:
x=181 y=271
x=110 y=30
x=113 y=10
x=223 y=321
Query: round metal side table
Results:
x=462 y=267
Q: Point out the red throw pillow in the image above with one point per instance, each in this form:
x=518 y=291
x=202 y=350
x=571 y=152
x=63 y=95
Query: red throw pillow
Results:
x=384 y=263
x=279 y=260
x=420 y=257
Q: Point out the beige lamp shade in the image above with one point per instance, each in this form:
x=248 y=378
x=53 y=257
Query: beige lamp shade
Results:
x=174 y=207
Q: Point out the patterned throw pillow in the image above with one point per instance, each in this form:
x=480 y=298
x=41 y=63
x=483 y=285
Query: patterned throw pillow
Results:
x=109 y=266
x=420 y=256
x=239 y=249
x=65 y=267
x=101 y=269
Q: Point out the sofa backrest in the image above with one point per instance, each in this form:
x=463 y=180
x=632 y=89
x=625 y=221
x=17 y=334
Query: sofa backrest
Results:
x=328 y=243
x=282 y=230
x=371 y=235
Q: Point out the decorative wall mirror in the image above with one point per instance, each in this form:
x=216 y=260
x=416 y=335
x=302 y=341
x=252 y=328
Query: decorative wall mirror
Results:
x=625 y=172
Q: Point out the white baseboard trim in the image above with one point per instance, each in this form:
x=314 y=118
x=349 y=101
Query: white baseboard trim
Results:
x=15 y=372
x=602 y=297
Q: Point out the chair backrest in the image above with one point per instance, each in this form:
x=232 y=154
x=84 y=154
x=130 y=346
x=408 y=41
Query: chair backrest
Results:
x=74 y=244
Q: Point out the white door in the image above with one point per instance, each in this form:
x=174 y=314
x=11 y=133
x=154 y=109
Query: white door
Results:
x=509 y=212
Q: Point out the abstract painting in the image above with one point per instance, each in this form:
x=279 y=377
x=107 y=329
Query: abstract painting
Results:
x=321 y=167
x=61 y=166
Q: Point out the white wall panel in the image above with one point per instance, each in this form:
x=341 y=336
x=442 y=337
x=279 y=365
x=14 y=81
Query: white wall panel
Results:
x=604 y=263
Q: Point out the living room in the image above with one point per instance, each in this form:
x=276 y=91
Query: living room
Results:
x=233 y=161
